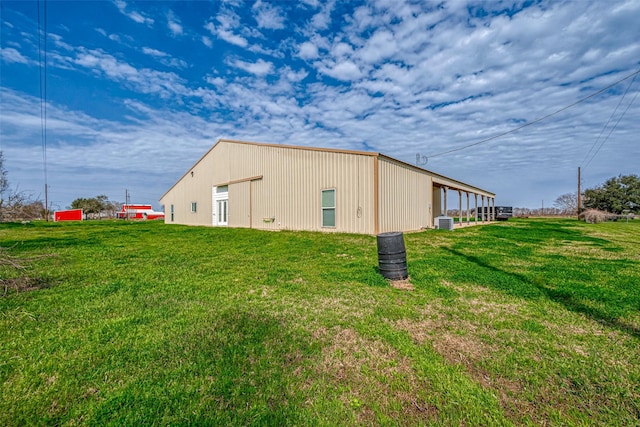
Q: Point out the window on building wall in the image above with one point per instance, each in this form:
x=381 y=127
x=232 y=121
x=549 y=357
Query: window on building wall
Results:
x=329 y=208
x=194 y=206
x=171 y=213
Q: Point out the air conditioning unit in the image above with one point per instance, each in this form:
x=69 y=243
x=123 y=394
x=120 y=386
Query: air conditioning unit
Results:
x=444 y=222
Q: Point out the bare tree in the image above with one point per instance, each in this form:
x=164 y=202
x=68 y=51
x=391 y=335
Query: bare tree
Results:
x=4 y=183
x=16 y=205
x=567 y=203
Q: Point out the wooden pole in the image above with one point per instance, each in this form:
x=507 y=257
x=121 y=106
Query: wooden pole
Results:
x=579 y=208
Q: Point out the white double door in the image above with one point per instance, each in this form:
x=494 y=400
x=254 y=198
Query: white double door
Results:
x=220 y=208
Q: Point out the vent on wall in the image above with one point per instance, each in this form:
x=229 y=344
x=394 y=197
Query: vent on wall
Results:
x=444 y=222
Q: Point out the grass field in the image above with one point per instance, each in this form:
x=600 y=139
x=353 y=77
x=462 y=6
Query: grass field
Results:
x=529 y=322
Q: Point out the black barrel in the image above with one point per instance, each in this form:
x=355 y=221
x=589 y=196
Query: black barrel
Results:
x=392 y=256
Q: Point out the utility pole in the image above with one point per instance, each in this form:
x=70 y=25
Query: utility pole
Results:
x=46 y=202
x=126 y=203
x=579 y=194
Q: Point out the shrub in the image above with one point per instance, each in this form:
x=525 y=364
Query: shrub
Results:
x=594 y=216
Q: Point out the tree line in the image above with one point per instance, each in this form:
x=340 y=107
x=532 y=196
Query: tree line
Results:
x=618 y=195
x=97 y=207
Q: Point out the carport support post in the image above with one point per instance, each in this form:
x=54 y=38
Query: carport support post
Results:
x=493 y=211
x=475 y=196
x=459 y=207
x=468 y=213
x=445 y=201
x=483 y=211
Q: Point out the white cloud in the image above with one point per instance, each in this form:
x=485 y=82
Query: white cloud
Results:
x=341 y=50
x=295 y=76
x=10 y=55
x=174 y=25
x=322 y=19
x=308 y=50
x=232 y=38
x=345 y=71
x=258 y=68
x=312 y=3
x=216 y=81
x=143 y=80
x=133 y=15
x=164 y=58
x=207 y=41
x=226 y=35
x=154 y=52
x=381 y=45
x=268 y=16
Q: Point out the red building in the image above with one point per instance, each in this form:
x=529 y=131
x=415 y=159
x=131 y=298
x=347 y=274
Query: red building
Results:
x=139 y=212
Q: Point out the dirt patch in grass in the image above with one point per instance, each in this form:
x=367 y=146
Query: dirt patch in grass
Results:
x=374 y=378
x=22 y=284
x=404 y=285
x=492 y=309
x=469 y=352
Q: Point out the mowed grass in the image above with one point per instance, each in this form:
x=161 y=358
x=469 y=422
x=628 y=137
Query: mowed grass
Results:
x=529 y=322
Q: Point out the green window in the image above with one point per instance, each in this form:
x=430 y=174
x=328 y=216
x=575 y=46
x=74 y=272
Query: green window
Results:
x=194 y=206
x=329 y=208
x=171 y=213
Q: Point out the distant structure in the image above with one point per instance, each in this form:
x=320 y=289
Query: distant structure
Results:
x=138 y=212
x=68 y=215
x=284 y=187
x=501 y=213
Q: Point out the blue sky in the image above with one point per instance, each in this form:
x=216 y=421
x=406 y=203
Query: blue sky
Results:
x=137 y=92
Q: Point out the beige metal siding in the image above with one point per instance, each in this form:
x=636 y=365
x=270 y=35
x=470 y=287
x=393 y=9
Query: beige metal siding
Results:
x=437 y=201
x=280 y=187
x=197 y=187
x=289 y=194
x=405 y=196
x=240 y=204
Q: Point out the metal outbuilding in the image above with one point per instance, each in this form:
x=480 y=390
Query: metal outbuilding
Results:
x=274 y=187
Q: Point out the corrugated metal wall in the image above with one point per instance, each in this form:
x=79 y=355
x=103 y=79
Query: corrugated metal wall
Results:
x=280 y=187
x=197 y=188
x=289 y=194
x=240 y=204
x=437 y=201
x=405 y=197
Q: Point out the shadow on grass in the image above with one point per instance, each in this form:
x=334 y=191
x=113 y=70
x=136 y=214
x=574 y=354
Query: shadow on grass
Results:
x=233 y=367
x=544 y=231
x=569 y=300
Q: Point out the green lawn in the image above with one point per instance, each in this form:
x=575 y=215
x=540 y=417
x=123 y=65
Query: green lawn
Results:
x=528 y=322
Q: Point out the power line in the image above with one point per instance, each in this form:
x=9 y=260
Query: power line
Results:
x=42 y=39
x=612 y=129
x=608 y=121
x=537 y=120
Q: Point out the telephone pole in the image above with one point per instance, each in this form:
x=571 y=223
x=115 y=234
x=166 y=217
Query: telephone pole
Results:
x=46 y=201
x=126 y=203
x=579 y=194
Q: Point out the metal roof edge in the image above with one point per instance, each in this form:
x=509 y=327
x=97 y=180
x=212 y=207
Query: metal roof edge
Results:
x=326 y=150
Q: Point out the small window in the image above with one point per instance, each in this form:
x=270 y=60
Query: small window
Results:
x=194 y=206
x=171 y=213
x=328 y=208
x=222 y=189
